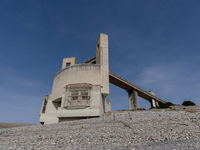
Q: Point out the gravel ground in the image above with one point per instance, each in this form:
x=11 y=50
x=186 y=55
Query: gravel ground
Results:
x=157 y=130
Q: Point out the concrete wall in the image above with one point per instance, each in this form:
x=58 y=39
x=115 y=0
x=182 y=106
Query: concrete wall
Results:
x=102 y=60
x=46 y=97
x=83 y=73
x=70 y=119
x=50 y=116
x=71 y=60
x=93 y=110
x=55 y=109
x=63 y=105
x=107 y=105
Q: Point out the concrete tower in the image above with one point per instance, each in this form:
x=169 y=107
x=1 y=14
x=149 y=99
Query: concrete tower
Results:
x=102 y=60
x=79 y=90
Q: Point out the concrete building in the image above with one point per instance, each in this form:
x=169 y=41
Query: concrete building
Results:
x=80 y=90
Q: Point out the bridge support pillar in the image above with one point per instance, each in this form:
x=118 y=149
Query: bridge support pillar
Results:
x=157 y=103
x=133 y=99
x=154 y=103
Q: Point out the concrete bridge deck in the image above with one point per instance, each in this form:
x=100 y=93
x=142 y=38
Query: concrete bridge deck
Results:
x=133 y=90
x=126 y=85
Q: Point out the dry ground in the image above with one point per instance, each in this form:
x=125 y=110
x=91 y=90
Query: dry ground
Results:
x=11 y=125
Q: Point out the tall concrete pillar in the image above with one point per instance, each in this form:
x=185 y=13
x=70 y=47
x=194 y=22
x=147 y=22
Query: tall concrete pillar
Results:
x=103 y=61
x=157 y=103
x=133 y=99
x=153 y=103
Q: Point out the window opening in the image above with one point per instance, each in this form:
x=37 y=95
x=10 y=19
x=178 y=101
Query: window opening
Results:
x=44 y=106
x=79 y=95
x=68 y=64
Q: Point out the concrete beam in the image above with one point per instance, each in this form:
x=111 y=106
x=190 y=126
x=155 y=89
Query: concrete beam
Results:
x=124 y=84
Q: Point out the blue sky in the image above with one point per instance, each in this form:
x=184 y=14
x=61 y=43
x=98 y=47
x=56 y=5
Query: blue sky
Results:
x=153 y=44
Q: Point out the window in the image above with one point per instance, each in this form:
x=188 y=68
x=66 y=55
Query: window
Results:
x=44 y=106
x=84 y=95
x=74 y=95
x=68 y=64
x=79 y=95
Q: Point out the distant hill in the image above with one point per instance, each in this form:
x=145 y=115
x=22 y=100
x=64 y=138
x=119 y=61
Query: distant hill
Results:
x=11 y=125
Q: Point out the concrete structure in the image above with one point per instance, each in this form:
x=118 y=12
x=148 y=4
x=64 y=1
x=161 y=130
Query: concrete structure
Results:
x=80 y=90
x=134 y=91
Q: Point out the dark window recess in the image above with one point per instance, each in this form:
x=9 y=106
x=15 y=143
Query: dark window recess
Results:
x=68 y=64
x=44 y=107
x=74 y=95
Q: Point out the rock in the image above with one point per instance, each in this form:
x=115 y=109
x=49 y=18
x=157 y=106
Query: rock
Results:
x=144 y=130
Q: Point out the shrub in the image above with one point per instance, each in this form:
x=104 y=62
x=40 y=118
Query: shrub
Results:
x=157 y=107
x=164 y=105
x=169 y=104
x=188 y=103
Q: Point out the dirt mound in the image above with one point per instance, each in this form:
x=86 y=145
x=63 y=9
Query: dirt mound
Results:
x=11 y=125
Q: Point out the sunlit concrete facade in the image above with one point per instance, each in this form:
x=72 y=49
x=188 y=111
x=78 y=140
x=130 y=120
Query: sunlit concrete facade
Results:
x=79 y=90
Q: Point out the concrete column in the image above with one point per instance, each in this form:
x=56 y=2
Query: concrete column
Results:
x=133 y=99
x=103 y=60
x=65 y=99
x=157 y=103
x=153 y=103
x=79 y=98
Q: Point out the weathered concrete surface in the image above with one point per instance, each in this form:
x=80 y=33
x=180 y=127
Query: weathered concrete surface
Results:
x=67 y=103
x=133 y=99
x=103 y=61
x=68 y=62
x=126 y=85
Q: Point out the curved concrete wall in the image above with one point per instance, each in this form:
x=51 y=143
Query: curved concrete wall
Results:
x=82 y=73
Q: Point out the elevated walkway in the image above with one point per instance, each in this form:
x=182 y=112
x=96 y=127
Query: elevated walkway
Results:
x=133 y=90
x=126 y=85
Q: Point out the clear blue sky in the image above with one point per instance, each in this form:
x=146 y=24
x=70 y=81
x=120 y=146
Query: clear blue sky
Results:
x=153 y=44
